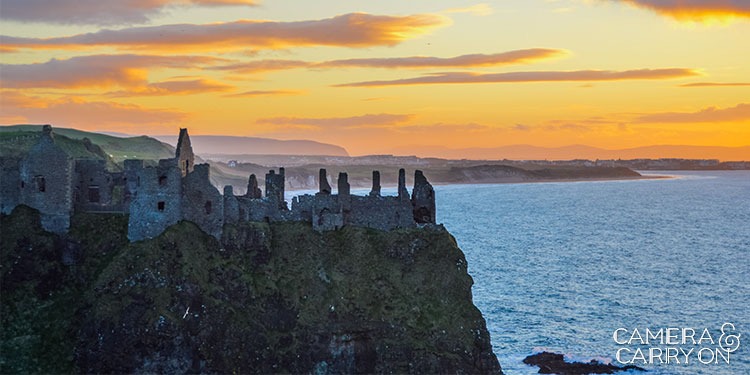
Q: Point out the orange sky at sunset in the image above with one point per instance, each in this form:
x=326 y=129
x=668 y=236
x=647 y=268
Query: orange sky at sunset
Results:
x=385 y=76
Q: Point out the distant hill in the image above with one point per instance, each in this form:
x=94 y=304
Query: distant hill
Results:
x=528 y=152
x=225 y=144
x=141 y=147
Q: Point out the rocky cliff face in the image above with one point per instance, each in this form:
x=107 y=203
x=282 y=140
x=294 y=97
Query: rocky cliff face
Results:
x=265 y=298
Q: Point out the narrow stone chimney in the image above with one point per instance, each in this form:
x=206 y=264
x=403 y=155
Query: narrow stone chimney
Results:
x=423 y=199
x=344 y=190
x=402 y=192
x=375 y=183
x=325 y=188
x=253 y=191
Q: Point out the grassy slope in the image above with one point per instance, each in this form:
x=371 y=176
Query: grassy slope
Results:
x=120 y=148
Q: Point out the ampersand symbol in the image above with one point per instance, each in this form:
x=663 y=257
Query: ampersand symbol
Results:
x=729 y=343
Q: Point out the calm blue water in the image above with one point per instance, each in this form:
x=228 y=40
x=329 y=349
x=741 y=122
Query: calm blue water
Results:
x=560 y=266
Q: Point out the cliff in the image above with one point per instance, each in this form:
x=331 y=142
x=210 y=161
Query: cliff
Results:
x=264 y=298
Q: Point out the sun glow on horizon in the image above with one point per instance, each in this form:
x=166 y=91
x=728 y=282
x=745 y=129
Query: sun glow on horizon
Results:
x=387 y=76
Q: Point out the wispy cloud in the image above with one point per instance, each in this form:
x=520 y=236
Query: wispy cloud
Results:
x=524 y=56
x=260 y=66
x=539 y=76
x=477 y=10
x=348 y=30
x=254 y=93
x=441 y=128
x=695 y=9
x=99 y=12
x=75 y=111
x=376 y=99
x=94 y=70
x=739 y=113
x=176 y=87
x=716 y=84
x=368 y=120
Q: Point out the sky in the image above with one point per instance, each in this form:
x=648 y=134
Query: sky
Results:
x=386 y=76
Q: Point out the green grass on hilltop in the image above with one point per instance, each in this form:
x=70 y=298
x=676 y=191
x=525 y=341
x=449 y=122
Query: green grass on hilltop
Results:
x=141 y=147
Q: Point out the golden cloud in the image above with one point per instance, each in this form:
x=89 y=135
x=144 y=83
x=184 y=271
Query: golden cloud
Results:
x=72 y=111
x=349 y=30
x=738 y=113
x=368 y=120
x=99 y=12
x=95 y=70
x=695 y=9
x=538 y=76
x=524 y=56
x=176 y=87
x=254 y=93
x=716 y=84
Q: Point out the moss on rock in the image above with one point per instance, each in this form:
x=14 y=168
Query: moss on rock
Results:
x=265 y=298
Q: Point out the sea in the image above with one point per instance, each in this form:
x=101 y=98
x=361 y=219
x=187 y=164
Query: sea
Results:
x=562 y=266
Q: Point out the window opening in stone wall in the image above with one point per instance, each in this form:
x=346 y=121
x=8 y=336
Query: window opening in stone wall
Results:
x=41 y=183
x=94 y=194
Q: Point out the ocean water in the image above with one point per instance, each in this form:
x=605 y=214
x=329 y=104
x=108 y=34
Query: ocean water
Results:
x=561 y=266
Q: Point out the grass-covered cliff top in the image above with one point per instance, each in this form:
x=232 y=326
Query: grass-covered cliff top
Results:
x=265 y=298
x=18 y=139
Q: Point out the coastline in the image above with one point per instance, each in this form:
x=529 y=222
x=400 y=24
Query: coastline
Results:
x=595 y=179
x=519 y=181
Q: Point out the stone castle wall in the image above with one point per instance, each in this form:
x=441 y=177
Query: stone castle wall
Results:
x=177 y=189
x=46 y=182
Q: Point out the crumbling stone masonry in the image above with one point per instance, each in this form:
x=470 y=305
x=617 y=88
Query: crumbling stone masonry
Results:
x=46 y=182
x=176 y=189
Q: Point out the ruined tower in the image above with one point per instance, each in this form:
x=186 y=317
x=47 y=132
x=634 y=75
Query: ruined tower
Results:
x=402 y=192
x=184 y=153
x=46 y=178
x=375 y=183
x=275 y=187
x=175 y=189
x=253 y=191
x=325 y=188
x=423 y=199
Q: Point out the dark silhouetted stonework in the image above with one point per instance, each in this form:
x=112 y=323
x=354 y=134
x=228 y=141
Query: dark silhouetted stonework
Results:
x=201 y=201
x=325 y=188
x=275 y=187
x=423 y=199
x=375 y=183
x=184 y=153
x=231 y=206
x=10 y=185
x=402 y=192
x=158 y=203
x=46 y=182
x=253 y=191
x=175 y=189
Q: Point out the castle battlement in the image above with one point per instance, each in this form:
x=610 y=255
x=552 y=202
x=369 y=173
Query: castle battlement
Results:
x=177 y=189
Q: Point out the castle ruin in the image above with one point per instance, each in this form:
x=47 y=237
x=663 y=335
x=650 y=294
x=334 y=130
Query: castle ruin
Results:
x=175 y=189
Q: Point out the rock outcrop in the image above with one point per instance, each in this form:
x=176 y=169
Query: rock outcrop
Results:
x=274 y=297
x=553 y=363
